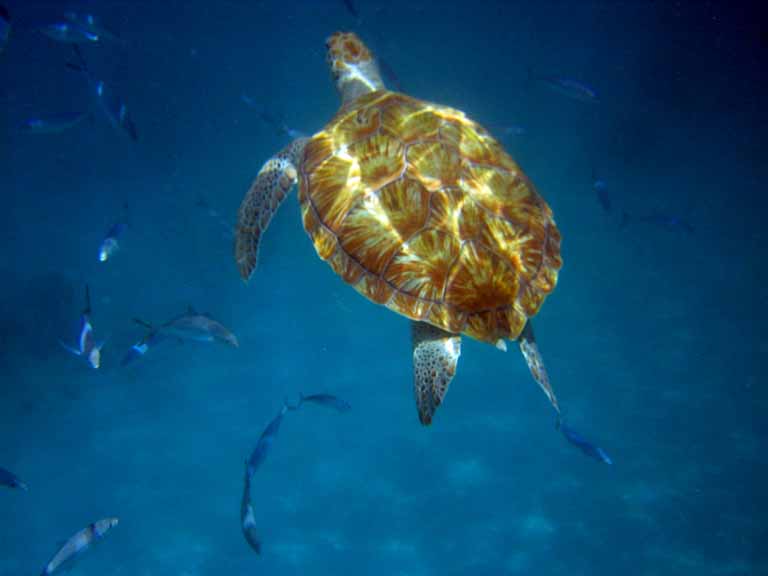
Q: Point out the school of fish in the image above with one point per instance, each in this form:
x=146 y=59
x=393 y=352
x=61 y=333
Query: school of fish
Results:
x=76 y=30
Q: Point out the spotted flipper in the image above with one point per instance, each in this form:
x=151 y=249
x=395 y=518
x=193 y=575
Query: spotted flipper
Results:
x=435 y=354
x=536 y=363
x=269 y=189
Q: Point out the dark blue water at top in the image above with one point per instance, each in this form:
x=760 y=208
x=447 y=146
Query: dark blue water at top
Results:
x=653 y=338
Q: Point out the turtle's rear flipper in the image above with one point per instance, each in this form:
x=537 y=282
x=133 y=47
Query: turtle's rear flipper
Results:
x=536 y=363
x=435 y=354
x=269 y=189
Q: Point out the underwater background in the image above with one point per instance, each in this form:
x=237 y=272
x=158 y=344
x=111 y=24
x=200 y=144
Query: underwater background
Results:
x=652 y=338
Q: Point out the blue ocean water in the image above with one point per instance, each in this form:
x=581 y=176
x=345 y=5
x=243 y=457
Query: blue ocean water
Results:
x=651 y=339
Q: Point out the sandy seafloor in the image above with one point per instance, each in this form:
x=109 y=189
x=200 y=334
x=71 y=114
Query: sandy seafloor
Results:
x=652 y=338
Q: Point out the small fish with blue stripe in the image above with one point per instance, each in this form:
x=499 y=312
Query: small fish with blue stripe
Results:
x=87 y=347
x=568 y=87
x=10 y=480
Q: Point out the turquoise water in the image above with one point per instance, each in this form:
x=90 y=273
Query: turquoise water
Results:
x=650 y=338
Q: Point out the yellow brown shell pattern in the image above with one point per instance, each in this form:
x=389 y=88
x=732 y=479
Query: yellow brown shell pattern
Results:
x=421 y=210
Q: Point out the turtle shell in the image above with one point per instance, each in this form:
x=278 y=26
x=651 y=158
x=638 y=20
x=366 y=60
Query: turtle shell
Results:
x=421 y=209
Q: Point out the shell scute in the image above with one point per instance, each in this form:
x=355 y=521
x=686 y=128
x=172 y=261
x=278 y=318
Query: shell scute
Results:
x=317 y=150
x=325 y=242
x=381 y=159
x=350 y=271
x=374 y=288
x=448 y=318
x=481 y=280
x=475 y=144
x=422 y=265
x=333 y=186
x=380 y=222
x=501 y=192
x=411 y=121
x=368 y=234
x=406 y=203
x=434 y=164
x=356 y=125
x=411 y=306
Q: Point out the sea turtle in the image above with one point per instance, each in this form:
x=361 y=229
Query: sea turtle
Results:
x=419 y=209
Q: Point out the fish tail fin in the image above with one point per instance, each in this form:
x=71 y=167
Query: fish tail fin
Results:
x=70 y=349
x=94 y=355
x=130 y=357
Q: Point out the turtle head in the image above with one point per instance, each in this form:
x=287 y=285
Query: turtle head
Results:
x=353 y=67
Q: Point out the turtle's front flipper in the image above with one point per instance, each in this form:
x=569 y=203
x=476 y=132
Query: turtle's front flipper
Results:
x=435 y=354
x=269 y=189
x=536 y=363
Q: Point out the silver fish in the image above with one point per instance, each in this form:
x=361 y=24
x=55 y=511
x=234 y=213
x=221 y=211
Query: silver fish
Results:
x=389 y=75
x=91 y=24
x=108 y=99
x=507 y=129
x=275 y=120
x=68 y=33
x=87 y=347
x=77 y=545
x=115 y=109
x=199 y=327
x=351 y=8
x=573 y=89
x=195 y=326
x=247 y=517
x=266 y=440
x=52 y=124
x=5 y=27
x=329 y=400
x=140 y=349
x=257 y=457
x=109 y=245
x=9 y=479
x=577 y=440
